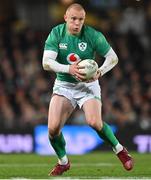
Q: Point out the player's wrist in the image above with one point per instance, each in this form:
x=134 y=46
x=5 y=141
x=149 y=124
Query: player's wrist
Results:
x=100 y=71
x=68 y=69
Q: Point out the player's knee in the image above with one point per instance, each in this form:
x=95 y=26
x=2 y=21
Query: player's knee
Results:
x=98 y=125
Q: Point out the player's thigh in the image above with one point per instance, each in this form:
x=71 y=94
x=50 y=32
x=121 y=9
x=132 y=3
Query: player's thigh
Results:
x=93 y=113
x=60 y=109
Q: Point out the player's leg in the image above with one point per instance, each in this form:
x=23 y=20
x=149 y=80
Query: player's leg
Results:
x=93 y=114
x=60 y=109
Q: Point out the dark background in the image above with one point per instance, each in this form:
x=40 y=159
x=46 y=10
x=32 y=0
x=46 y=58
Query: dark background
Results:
x=25 y=88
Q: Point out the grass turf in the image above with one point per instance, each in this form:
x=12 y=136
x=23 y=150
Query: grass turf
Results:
x=90 y=166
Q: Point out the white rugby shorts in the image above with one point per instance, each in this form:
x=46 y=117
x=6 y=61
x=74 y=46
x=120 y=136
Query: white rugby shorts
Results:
x=78 y=93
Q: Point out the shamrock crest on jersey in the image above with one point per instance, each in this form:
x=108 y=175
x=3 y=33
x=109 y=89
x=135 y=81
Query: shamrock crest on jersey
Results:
x=72 y=58
x=82 y=46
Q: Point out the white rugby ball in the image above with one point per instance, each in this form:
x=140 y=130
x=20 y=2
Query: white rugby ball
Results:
x=90 y=68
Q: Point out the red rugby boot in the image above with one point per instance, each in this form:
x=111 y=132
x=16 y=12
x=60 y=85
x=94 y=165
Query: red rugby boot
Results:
x=59 y=169
x=126 y=159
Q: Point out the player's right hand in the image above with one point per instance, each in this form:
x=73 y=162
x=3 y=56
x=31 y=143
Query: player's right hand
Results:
x=74 y=71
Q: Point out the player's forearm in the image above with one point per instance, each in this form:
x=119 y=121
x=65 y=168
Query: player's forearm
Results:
x=50 y=64
x=111 y=60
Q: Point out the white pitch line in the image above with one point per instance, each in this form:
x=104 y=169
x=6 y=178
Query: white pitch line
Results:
x=73 y=164
x=88 y=177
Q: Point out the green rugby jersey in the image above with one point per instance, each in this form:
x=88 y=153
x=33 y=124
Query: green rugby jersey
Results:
x=71 y=48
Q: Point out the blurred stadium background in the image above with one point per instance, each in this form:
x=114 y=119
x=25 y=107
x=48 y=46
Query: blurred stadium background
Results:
x=25 y=88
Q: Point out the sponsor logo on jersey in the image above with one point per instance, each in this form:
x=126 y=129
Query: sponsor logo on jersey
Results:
x=82 y=46
x=63 y=46
x=72 y=58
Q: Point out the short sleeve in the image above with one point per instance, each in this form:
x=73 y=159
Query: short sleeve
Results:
x=101 y=44
x=51 y=42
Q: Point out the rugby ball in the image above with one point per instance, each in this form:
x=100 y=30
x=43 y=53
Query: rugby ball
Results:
x=90 y=68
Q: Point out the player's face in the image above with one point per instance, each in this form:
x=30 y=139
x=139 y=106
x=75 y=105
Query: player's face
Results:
x=75 y=20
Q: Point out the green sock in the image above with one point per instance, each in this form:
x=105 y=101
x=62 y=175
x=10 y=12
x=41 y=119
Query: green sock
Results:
x=58 y=143
x=107 y=135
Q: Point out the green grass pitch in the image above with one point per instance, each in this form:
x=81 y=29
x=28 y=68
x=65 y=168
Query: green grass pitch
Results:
x=96 y=165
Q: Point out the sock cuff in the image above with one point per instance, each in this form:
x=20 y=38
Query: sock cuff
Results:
x=118 y=148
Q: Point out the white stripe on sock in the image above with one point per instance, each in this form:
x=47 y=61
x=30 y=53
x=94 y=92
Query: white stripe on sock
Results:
x=63 y=160
x=118 y=148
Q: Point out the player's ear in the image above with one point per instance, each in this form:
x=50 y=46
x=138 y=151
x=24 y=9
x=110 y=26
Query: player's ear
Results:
x=65 y=17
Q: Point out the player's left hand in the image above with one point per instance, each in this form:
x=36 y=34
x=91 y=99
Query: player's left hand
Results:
x=97 y=75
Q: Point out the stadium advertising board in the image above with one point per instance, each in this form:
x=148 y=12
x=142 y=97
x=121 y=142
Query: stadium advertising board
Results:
x=79 y=139
x=135 y=139
x=16 y=143
x=143 y=143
